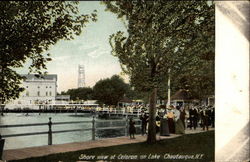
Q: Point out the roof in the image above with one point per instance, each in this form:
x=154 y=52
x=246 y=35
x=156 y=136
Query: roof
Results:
x=181 y=94
x=126 y=100
x=43 y=77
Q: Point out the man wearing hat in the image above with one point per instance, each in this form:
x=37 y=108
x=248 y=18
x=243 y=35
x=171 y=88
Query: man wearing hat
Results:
x=193 y=113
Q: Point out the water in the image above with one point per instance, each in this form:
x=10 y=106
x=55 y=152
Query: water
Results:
x=59 y=138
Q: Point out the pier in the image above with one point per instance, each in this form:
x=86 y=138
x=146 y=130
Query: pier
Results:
x=73 y=108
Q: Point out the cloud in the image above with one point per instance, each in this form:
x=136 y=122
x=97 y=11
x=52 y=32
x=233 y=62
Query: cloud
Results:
x=96 y=53
x=61 y=58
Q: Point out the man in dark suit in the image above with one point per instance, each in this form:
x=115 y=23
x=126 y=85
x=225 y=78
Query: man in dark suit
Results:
x=193 y=117
x=212 y=117
x=144 y=120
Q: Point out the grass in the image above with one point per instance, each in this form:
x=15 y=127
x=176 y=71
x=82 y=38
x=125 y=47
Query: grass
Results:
x=164 y=150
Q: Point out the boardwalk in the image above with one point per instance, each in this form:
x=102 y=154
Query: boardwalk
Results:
x=15 y=154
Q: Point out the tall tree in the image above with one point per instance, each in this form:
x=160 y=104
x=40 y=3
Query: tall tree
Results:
x=109 y=91
x=28 y=29
x=161 y=36
x=84 y=93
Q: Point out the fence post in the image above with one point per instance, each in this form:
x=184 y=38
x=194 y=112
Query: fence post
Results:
x=93 y=128
x=126 y=125
x=50 y=132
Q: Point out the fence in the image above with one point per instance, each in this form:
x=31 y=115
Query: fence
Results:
x=50 y=132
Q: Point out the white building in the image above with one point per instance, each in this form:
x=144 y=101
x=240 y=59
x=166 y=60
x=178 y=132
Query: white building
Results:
x=38 y=90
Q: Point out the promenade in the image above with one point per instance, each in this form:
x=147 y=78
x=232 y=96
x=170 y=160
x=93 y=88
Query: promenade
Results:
x=16 y=154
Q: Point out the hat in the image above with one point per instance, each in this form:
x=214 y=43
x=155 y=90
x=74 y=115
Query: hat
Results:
x=171 y=107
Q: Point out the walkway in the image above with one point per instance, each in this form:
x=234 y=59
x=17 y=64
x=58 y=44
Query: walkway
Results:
x=15 y=154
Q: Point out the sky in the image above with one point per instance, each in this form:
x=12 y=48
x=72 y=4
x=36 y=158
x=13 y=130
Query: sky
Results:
x=91 y=49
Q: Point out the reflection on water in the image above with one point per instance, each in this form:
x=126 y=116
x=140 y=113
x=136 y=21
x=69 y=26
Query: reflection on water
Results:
x=59 y=138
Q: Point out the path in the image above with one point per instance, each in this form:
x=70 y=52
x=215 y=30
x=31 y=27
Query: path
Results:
x=15 y=154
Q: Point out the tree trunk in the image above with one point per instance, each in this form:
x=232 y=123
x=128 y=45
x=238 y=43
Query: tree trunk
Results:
x=151 y=124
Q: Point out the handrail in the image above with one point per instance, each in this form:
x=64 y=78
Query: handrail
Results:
x=61 y=131
x=71 y=130
x=50 y=132
x=99 y=121
x=23 y=125
x=24 y=134
x=72 y=122
x=104 y=128
x=116 y=120
x=58 y=123
x=39 y=124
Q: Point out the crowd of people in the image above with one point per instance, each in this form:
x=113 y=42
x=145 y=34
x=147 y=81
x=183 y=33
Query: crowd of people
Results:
x=174 y=120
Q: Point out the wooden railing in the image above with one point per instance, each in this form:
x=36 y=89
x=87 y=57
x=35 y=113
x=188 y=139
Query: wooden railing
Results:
x=50 y=132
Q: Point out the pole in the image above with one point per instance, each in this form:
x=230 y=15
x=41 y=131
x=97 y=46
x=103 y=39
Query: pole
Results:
x=169 y=93
x=93 y=128
x=50 y=132
x=126 y=125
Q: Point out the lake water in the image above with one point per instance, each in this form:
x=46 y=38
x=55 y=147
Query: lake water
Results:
x=59 y=138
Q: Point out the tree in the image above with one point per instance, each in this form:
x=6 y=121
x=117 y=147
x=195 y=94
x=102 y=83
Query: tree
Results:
x=109 y=91
x=134 y=94
x=83 y=93
x=162 y=35
x=28 y=29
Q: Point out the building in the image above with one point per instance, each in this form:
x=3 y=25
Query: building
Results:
x=181 y=98
x=125 y=101
x=38 y=90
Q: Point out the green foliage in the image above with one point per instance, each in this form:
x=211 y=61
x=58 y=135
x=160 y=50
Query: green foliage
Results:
x=109 y=91
x=166 y=35
x=28 y=29
x=84 y=93
x=137 y=95
x=162 y=36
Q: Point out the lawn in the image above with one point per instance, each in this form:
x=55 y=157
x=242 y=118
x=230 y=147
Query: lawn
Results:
x=190 y=147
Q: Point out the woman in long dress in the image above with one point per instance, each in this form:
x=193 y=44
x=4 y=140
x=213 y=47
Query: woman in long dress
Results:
x=179 y=127
x=164 y=129
x=170 y=116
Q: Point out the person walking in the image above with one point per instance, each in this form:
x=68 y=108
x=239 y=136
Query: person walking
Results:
x=158 y=122
x=179 y=127
x=193 y=118
x=170 y=116
x=204 y=118
x=183 y=116
x=212 y=117
x=144 y=120
x=132 y=130
x=164 y=128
